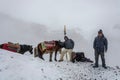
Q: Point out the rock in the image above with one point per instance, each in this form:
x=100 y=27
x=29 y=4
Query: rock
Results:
x=85 y=75
x=69 y=69
x=117 y=67
x=0 y=70
x=60 y=79
x=12 y=57
x=116 y=74
x=42 y=70
x=58 y=66
x=100 y=76
x=45 y=76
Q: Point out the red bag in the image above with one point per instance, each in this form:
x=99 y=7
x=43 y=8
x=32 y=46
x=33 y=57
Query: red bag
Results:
x=6 y=47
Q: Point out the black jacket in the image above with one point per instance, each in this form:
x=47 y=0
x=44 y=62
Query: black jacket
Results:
x=100 y=44
x=69 y=44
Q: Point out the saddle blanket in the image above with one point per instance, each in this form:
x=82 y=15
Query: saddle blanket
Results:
x=48 y=45
x=7 y=47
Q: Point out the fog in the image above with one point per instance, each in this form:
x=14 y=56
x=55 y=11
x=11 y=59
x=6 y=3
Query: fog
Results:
x=31 y=22
x=86 y=14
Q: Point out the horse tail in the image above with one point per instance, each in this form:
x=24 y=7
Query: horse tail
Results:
x=1 y=46
x=35 y=52
x=40 y=54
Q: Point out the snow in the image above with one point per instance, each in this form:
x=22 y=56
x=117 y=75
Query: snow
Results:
x=15 y=66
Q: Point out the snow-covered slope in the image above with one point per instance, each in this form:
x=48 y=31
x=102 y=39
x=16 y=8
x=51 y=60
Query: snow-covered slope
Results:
x=15 y=66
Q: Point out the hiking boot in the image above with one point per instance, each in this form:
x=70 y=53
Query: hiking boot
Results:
x=73 y=61
x=95 y=66
x=104 y=67
x=60 y=60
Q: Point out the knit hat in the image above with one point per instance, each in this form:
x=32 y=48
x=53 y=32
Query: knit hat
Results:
x=100 y=31
x=65 y=37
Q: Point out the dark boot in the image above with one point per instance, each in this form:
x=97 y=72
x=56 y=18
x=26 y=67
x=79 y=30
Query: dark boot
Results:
x=104 y=67
x=95 y=66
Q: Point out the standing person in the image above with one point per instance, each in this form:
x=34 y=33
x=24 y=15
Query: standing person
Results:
x=100 y=46
x=68 y=48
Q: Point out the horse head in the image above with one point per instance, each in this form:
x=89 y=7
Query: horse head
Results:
x=1 y=46
x=30 y=49
x=25 y=48
x=61 y=44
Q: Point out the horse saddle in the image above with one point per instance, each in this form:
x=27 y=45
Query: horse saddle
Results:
x=48 y=45
x=9 y=47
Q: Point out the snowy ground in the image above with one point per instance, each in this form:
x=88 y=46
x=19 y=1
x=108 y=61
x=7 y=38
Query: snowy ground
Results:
x=15 y=66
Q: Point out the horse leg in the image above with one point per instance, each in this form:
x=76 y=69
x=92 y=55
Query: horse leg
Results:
x=35 y=52
x=41 y=56
x=51 y=56
x=40 y=53
x=31 y=50
x=55 y=56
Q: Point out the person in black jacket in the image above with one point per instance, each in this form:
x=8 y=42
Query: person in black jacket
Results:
x=100 y=46
x=68 y=48
x=80 y=57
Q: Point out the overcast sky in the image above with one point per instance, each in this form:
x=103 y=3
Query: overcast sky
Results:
x=86 y=14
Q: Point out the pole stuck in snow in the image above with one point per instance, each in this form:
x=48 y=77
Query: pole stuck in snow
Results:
x=65 y=30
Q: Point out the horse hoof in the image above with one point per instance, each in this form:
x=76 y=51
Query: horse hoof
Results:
x=42 y=58
x=35 y=55
x=55 y=60
x=60 y=60
x=50 y=60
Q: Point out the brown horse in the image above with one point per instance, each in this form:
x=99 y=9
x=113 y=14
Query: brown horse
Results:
x=48 y=47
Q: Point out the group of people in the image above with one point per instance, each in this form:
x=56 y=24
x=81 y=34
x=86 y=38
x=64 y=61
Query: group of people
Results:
x=100 y=46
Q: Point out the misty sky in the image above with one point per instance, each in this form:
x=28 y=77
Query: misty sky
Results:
x=86 y=14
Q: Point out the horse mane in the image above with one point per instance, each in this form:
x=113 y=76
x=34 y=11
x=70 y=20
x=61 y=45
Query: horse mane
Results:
x=59 y=43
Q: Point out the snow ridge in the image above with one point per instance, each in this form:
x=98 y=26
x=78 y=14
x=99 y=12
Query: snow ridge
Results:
x=15 y=66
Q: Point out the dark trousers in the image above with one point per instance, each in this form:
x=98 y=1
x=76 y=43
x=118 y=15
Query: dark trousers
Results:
x=97 y=58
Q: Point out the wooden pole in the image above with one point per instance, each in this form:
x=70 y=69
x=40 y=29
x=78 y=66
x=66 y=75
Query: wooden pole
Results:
x=65 y=30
